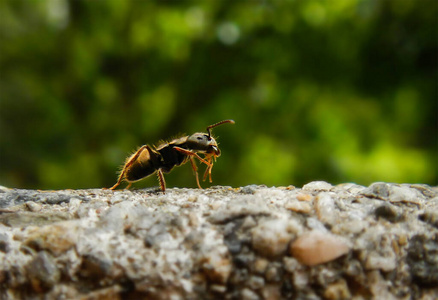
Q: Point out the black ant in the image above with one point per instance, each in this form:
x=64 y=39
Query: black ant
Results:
x=148 y=160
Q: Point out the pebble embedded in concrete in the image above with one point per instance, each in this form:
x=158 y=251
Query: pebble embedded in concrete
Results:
x=317 y=247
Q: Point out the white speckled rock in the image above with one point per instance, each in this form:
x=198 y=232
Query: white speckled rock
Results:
x=256 y=242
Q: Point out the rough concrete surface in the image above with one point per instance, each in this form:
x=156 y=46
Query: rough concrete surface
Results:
x=255 y=242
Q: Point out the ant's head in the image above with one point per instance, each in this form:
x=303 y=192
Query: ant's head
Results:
x=204 y=142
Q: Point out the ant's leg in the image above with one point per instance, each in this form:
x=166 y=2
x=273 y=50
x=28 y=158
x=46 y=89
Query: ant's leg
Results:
x=191 y=153
x=131 y=160
x=119 y=180
x=208 y=171
x=161 y=180
x=195 y=170
x=209 y=174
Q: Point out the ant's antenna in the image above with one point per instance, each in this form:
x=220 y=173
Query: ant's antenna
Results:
x=217 y=124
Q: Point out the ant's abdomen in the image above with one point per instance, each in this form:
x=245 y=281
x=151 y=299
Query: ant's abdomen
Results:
x=143 y=166
x=138 y=171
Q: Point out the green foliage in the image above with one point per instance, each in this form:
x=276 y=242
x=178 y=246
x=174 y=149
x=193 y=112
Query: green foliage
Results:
x=320 y=90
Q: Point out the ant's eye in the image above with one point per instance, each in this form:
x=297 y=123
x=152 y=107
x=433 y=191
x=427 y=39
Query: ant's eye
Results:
x=199 y=138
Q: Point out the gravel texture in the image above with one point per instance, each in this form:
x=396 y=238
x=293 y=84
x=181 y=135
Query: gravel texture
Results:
x=255 y=242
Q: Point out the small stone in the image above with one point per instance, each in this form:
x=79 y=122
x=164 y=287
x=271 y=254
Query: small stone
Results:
x=354 y=268
x=192 y=198
x=32 y=206
x=243 y=260
x=272 y=292
x=43 y=272
x=337 y=291
x=73 y=205
x=314 y=223
x=64 y=291
x=193 y=219
x=304 y=197
x=379 y=287
x=402 y=239
x=387 y=212
x=4 y=243
x=405 y=194
x=256 y=282
x=423 y=260
x=298 y=207
x=383 y=256
x=94 y=267
x=425 y=190
x=273 y=273
x=249 y=189
x=287 y=290
x=248 y=222
x=245 y=205
x=324 y=276
x=300 y=279
x=377 y=190
x=376 y=261
x=56 y=238
x=350 y=227
x=317 y=186
x=112 y=292
x=290 y=264
x=215 y=205
x=317 y=247
x=239 y=277
x=24 y=218
x=217 y=288
x=350 y=187
x=260 y=265
x=430 y=217
x=325 y=208
x=248 y=294
x=216 y=267
x=271 y=237
x=233 y=243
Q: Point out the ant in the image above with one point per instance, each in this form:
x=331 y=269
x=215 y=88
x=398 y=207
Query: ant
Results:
x=148 y=160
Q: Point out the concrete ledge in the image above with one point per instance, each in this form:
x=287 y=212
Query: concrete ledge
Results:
x=255 y=242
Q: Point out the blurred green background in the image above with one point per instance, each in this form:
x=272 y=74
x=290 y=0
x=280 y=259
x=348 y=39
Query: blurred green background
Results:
x=341 y=90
